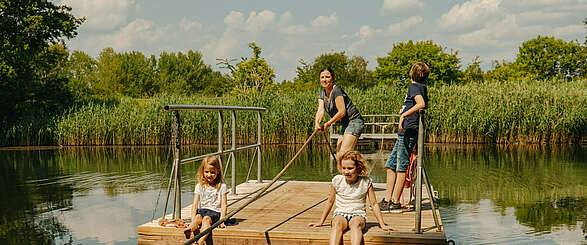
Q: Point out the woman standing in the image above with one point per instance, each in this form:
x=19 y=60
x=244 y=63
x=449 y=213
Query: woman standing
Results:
x=339 y=106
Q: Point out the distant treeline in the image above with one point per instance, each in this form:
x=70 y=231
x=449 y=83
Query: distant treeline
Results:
x=48 y=94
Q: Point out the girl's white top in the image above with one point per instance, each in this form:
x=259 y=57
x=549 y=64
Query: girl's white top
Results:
x=210 y=197
x=350 y=198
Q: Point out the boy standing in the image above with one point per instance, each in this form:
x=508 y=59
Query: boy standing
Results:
x=399 y=160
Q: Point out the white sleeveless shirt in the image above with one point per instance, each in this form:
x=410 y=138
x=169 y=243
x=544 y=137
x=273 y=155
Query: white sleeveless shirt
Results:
x=350 y=198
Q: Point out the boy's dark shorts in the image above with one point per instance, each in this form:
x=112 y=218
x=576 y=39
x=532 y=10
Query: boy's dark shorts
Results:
x=215 y=216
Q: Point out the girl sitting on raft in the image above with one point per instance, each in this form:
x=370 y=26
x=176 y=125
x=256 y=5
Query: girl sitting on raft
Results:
x=350 y=189
x=209 y=196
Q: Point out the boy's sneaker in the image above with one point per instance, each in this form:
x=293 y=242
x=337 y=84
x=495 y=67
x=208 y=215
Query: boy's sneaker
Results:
x=394 y=207
x=384 y=205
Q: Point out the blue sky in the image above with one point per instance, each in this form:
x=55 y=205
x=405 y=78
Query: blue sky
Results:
x=288 y=31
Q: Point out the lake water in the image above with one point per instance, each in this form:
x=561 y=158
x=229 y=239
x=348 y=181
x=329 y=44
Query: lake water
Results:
x=99 y=195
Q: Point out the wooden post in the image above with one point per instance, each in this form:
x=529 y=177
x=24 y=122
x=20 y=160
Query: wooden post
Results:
x=176 y=163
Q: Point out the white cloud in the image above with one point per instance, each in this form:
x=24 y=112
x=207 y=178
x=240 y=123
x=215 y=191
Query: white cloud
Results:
x=285 y=19
x=260 y=22
x=496 y=34
x=568 y=32
x=540 y=17
x=138 y=33
x=366 y=32
x=255 y=23
x=234 y=19
x=407 y=24
x=550 y=5
x=470 y=14
x=187 y=25
x=104 y=14
x=323 y=22
x=295 y=30
x=394 y=6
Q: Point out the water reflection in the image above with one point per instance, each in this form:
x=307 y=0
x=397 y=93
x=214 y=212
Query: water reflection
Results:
x=30 y=199
x=98 y=195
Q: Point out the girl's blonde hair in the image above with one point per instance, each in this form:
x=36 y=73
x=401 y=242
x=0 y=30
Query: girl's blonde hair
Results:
x=215 y=162
x=360 y=163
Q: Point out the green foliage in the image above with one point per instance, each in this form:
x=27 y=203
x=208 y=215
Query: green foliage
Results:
x=505 y=71
x=135 y=75
x=473 y=73
x=188 y=74
x=254 y=73
x=82 y=71
x=547 y=57
x=511 y=111
x=349 y=71
x=27 y=79
x=130 y=74
x=506 y=112
x=395 y=68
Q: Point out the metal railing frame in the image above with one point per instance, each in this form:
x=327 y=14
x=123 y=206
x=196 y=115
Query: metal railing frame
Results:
x=177 y=161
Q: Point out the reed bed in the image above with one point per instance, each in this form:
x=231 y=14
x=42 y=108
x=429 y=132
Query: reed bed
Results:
x=491 y=112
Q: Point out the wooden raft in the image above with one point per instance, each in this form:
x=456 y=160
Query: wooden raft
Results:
x=281 y=216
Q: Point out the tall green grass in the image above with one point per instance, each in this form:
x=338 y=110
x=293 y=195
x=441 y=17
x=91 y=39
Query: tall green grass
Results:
x=491 y=112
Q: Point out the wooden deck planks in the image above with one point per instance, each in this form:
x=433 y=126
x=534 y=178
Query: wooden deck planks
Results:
x=281 y=217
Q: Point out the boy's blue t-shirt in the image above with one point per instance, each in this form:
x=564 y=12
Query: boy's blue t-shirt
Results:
x=411 y=121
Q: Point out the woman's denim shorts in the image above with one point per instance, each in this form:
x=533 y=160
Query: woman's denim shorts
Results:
x=354 y=127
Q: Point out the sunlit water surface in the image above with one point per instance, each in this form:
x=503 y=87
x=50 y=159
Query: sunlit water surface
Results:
x=99 y=195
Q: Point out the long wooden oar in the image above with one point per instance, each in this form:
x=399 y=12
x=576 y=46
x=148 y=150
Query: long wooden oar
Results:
x=228 y=216
x=330 y=147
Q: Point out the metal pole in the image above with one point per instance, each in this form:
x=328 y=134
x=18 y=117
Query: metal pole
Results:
x=176 y=162
x=418 y=227
x=220 y=136
x=259 y=128
x=171 y=174
x=431 y=198
x=233 y=144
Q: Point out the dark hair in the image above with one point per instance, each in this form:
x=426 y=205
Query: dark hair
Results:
x=329 y=70
x=419 y=72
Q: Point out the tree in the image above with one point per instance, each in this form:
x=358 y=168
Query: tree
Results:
x=187 y=74
x=109 y=73
x=395 y=68
x=82 y=70
x=504 y=71
x=29 y=28
x=473 y=73
x=547 y=57
x=348 y=72
x=254 y=73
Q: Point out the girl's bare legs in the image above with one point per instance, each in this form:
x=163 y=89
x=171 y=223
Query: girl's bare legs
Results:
x=195 y=224
x=345 y=143
x=206 y=222
x=339 y=224
x=356 y=226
